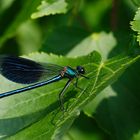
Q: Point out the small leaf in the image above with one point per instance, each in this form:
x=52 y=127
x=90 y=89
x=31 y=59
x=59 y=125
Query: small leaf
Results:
x=136 y=24
x=50 y=8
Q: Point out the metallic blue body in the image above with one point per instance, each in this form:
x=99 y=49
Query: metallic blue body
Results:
x=70 y=73
x=54 y=79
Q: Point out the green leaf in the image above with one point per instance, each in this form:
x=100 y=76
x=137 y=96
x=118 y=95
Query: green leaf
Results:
x=116 y=108
x=136 y=24
x=101 y=42
x=77 y=42
x=50 y=8
x=36 y=114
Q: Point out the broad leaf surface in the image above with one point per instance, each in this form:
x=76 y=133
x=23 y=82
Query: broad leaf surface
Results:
x=116 y=108
x=36 y=114
x=101 y=42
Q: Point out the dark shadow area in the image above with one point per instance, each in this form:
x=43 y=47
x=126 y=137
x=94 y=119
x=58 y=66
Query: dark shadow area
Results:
x=120 y=114
x=10 y=47
x=9 y=16
x=89 y=126
x=63 y=39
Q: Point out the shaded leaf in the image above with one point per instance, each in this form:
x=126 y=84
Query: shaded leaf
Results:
x=63 y=40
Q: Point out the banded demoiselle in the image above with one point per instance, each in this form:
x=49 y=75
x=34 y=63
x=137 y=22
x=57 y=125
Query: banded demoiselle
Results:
x=25 y=71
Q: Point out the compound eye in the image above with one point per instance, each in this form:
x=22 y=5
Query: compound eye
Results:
x=80 y=69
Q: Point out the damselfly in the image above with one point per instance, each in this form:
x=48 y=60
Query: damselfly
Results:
x=25 y=71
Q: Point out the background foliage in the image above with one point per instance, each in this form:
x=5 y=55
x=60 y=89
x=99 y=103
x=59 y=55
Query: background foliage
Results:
x=96 y=34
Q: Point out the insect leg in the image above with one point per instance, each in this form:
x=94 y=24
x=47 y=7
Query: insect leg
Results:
x=76 y=84
x=61 y=94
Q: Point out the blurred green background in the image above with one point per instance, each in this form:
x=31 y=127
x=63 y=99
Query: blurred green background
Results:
x=19 y=34
x=60 y=33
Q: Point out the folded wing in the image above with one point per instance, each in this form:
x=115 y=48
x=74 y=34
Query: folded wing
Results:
x=25 y=71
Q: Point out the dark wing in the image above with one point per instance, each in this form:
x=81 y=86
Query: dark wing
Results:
x=25 y=71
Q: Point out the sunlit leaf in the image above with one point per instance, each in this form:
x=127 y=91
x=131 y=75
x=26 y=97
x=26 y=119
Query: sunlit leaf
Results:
x=101 y=42
x=50 y=8
x=36 y=114
x=136 y=24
